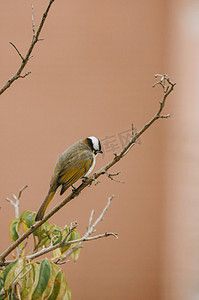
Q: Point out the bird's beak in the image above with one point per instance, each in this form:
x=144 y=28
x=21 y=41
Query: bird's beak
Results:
x=100 y=151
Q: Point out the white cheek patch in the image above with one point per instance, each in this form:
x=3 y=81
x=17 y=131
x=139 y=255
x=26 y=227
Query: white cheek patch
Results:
x=95 y=142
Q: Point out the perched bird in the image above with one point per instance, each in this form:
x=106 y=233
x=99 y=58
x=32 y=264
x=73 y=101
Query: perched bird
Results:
x=75 y=162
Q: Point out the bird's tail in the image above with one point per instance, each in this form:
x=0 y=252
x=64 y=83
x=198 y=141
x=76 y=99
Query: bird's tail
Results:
x=44 y=205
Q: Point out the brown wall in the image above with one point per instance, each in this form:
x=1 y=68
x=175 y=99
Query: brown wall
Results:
x=92 y=75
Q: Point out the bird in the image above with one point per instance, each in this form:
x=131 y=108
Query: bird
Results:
x=74 y=163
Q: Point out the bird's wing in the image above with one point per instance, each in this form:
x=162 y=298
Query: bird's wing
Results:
x=74 y=168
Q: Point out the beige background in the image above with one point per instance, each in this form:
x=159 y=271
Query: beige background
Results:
x=92 y=75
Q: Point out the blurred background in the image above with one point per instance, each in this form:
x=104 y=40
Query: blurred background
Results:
x=93 y=75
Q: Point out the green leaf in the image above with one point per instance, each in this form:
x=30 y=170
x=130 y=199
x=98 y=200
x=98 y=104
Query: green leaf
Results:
x=29 y=218
x=44 y=231
x=7 y=270
x=56 y=236
x=50 y=286
x=56 y=288
x=75 y=235
x=14 y=229
x=57 y=254
x=1 y=280
x=27 y=280
x=65 y=292
x=12 y=271
x=44 y=274
x=22 y=214
x=36 y=271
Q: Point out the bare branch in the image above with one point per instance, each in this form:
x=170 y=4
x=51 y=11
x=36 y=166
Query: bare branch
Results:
x=16 y=207
x=25 y=59
x=111 y=176
x=91 y=219
x=21 y=191
x=96 y=175
x=90 y=230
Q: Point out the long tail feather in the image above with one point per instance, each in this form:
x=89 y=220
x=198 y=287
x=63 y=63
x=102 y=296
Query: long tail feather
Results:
x=44 y=205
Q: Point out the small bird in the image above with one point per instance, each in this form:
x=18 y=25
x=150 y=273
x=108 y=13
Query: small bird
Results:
x=74 y=163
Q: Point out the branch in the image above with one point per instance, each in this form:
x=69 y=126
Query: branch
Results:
x=168 y=87
x=16 y=202
x=111 y=176
x=90 y=230
x=25 y=59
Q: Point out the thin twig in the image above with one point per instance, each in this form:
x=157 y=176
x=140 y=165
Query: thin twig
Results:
x=91 y=219
x=33 y=23
x=111 y=176
x=17 y=51
x=21 y=190
x=26 y=74
x=29 y=52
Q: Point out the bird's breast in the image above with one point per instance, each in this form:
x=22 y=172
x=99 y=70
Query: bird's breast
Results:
x=91 y=168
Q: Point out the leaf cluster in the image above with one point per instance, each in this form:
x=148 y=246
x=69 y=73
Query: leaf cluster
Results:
x=24 y=279
x=47 y=235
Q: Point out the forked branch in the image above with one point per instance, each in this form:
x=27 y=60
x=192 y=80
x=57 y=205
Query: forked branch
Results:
x=27 y=57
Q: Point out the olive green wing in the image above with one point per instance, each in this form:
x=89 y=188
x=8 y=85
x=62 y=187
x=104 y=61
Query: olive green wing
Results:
x=74 y=169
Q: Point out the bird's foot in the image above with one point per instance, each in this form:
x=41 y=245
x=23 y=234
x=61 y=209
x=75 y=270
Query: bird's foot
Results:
x=73 y=188
x=84 y=179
